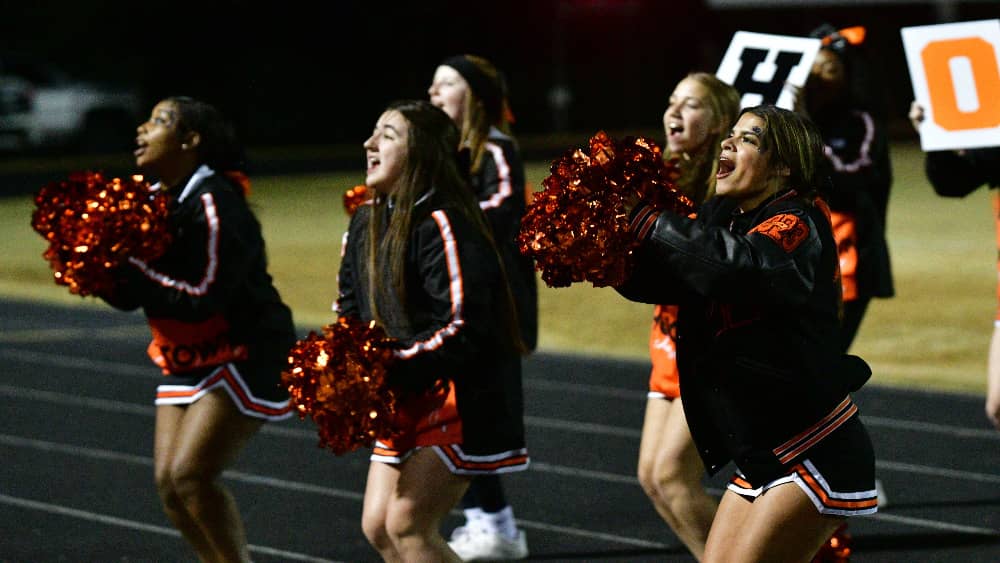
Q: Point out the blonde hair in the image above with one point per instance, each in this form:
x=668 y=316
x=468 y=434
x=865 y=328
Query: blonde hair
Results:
x=476 y=118
x=697 y=179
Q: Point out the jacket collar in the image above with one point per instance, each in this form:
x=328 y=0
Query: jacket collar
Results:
x=200 y=174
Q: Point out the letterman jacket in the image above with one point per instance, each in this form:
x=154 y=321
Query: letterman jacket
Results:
x=448 y=329
x=209 y=299
x=759 y=300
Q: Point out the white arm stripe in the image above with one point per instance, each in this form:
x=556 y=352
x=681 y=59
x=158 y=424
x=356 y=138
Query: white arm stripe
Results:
x=504 y=190
x=201 y=288
x=456 y=290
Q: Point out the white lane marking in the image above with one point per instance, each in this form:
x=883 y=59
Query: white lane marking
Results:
x=107 y=520
x=120 y=407
x=150 y=372
x=264 y=480
x=37 y=335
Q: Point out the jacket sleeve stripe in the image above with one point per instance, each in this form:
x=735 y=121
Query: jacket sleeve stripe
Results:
x=643 y=222
x=212 y=220
x=504 y=189
x=456 y=290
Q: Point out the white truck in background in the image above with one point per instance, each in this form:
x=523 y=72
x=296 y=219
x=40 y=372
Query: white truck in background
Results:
x=42 y=108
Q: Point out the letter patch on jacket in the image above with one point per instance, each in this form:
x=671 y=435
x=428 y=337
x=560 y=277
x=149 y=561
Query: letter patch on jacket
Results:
x=787 y=230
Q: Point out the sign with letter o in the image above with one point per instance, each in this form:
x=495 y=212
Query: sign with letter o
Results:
x=760 y=66
x=955 y=70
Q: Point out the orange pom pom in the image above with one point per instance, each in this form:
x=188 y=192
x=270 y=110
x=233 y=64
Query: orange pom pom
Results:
x=93 y=225
x=355 y=197
x=837 y=548
x=577 y=229
x=339 y=380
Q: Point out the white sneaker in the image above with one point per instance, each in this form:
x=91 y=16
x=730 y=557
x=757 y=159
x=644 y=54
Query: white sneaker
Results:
x=458 y=532
x=883 y=499
x=474 y=544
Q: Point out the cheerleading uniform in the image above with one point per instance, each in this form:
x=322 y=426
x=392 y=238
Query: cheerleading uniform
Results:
x=499 y=185
x=664 y=379
x=765 y=384
x=861 y=176
x=215 y=316
x=447 y=331
x=957 y=175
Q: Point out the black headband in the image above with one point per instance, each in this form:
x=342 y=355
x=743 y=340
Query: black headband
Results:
x=487 y=89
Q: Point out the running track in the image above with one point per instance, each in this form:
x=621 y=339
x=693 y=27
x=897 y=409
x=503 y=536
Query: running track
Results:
x=76 y=465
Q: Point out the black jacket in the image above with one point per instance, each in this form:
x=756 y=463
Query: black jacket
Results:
x=956 y=175
x=449 y=328
x=209 y=299
x=758 y=324
x=499 y=186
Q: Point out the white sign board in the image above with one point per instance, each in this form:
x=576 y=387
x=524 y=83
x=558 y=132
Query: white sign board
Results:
x=955 y=71
x=759 y=66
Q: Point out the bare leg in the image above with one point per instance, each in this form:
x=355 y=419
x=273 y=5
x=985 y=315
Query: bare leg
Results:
x=993 y=381
x=781 y=526
x=425 y=492
x=168 y=423
x=211 y=435
x=670 y=472
x=379 y=489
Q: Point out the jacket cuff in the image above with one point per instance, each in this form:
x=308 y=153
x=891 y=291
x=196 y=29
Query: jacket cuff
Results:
x=642 y=221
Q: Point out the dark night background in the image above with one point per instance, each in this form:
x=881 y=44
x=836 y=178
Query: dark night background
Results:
x=300 y=73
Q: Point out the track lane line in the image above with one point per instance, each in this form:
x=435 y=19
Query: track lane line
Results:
x=150 y=372
x=297 y=486
x=108 y=520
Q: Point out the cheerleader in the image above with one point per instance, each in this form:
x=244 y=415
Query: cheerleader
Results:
x=957 y=174
x=695 y=122
x=472 y=92
x=220 y=331
x=764 y=383
x=420 y=261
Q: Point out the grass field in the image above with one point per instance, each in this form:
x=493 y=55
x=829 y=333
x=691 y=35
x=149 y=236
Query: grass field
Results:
x=933 y=334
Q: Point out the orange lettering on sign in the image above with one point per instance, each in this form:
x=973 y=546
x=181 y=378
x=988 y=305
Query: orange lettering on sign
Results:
x=985 y=74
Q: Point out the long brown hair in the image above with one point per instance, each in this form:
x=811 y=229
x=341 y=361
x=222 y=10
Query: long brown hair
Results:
x=431 y=162
x=697 y=179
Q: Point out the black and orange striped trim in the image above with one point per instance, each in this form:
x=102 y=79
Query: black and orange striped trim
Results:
x=844 y=504
x=227 y=377
x=812 y=435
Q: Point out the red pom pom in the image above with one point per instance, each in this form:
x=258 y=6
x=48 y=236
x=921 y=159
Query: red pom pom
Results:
x=355 y=197
x=94 y=225
x=339 y=380
x=577 y=229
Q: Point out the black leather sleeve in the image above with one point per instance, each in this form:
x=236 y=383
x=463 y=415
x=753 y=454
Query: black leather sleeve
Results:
x=774 y=263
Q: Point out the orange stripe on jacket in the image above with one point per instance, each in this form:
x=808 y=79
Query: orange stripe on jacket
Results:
x=456 y=288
